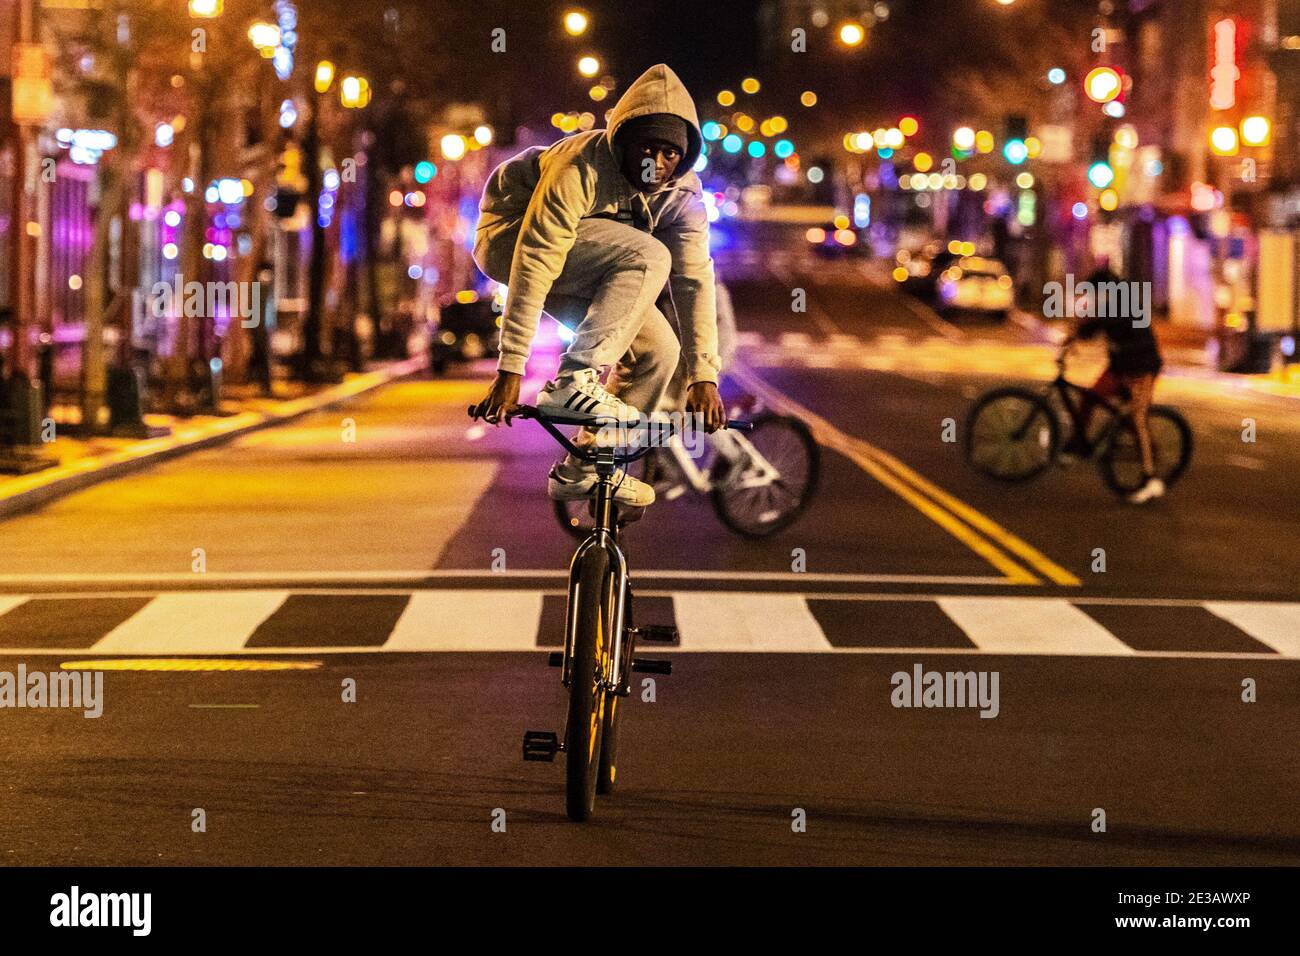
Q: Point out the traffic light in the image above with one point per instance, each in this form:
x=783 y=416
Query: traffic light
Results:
x=1100 y=173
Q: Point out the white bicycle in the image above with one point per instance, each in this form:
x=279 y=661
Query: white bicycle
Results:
x=759 y=482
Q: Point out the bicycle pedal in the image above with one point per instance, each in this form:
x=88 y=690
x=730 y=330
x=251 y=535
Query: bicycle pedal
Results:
x=541 y=745
x=675 y=492
x=645 y=665
x=555 y=659
x=656 y=633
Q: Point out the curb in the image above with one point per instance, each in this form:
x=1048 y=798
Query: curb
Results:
x=28 y=492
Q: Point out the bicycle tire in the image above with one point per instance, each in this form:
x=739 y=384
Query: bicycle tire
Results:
x=726 y=501
x=575 y=517
x=582 y=733
x=1120 y=463
x=613 y=719
x=998 y=424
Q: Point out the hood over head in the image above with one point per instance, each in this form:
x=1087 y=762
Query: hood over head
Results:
x=658 y=90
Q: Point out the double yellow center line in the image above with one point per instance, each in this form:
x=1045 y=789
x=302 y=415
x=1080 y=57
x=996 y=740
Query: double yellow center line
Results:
x=1009 y=554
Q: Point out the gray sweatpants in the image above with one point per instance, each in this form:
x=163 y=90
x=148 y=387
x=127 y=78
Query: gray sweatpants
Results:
x=606 y=294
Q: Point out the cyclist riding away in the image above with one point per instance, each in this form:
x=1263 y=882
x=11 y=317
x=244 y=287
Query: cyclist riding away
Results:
x=1135 y=363
x=590 y=229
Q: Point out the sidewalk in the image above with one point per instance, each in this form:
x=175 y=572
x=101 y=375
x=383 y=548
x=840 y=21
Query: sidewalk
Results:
x=86 y=462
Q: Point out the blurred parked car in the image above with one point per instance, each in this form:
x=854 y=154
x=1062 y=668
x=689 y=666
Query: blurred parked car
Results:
x=976 y=284
x=832 y=241
x=467 y=330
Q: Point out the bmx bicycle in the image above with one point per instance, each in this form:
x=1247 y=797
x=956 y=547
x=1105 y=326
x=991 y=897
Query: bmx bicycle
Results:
x=599 y=637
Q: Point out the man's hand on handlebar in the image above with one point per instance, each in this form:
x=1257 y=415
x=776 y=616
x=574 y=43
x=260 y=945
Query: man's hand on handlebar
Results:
x=501 y=401
x=703 y=399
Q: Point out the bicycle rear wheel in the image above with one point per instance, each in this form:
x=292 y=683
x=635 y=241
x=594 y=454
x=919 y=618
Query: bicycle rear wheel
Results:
x=1011 y=435
x=754 y=509
x=1171 y=449
x=594 y=611
x=575 y=515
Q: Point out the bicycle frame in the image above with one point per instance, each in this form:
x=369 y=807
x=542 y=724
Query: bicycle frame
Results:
x=1063 y=387
x=605 y=536
x=699 y=479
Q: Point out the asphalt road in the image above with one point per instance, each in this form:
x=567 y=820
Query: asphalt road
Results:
x=421 y=562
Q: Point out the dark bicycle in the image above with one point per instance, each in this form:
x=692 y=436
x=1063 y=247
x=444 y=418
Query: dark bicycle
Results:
x=599 y=637
x=1015 y=434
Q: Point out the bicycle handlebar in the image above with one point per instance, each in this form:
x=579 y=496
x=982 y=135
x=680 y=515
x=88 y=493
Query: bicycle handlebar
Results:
x=664 y=430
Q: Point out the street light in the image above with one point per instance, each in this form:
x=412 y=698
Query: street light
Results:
x=206 y=9
x=1255 y=130
x=851 y=33
x=1223 y=141
x=575 y=23
x=1102 y=84
x=324 y=76
x=588 y=66
x=354 y=92
x=453 y=146
x=749 y=85
x=963 y=137
x=265 y=36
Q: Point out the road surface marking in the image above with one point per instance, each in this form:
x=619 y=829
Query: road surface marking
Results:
x=1246 y=461
x=468 y=620
x=1031 y=625
x=1276 y=625
x=177 y=664
x=191 y=623
x=728 y=621
x=226 y=706
x=746 y=622
x=461 y=574
x=974 y=529
x=10 y=601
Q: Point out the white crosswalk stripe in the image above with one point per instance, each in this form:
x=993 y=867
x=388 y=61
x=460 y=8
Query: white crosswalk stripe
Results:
x=201 y=622
x=1030 y=626
x=468 y=621
x=747 y=622
x=257 y=621
x=1277 y=625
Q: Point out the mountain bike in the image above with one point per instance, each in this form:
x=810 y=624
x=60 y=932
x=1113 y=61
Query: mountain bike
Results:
x=599 y=637
x=759 y=482
x=1015 y=434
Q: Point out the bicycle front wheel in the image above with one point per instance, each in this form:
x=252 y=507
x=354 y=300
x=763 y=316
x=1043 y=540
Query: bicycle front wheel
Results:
x=1011 y=435
x=593 y=611
x=757 y=505
x=1171 y=449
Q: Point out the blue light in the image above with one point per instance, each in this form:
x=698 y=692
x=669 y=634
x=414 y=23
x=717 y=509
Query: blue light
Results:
x=757 y=149
x=885 y=152
x=711 y=130
x=1056 y=76
x=701 y=163
x=783 y=148
x=1015 y=151
x=424 y=171
x=862 y=210
x=1080 y=210
x=732 y=143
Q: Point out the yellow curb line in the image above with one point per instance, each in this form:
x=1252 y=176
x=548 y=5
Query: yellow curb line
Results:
x=913 y=488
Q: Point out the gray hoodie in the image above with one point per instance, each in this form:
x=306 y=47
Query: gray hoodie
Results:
x=533 y=202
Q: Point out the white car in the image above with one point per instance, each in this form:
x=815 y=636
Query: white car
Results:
x=976 y=284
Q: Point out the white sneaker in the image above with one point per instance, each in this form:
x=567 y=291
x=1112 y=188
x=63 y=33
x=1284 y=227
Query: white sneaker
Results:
x=1153 y=488
x=583 y=396
x=569 y=481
